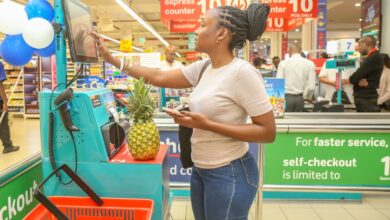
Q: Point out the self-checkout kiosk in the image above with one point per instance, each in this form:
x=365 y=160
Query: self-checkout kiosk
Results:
x=81 y=127
x=341 y=50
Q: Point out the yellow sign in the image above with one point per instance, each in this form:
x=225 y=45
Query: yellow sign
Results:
x=125 y=46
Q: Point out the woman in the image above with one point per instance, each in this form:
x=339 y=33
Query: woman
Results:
x=384 y=84
x=225 y=178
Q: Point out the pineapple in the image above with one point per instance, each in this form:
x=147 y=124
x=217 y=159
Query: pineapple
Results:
x=144 y=138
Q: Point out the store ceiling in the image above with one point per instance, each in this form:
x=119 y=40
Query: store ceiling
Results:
x=113 y=21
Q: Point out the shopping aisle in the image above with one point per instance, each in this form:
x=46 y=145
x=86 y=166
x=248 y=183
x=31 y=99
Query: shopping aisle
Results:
x=26 y=134
x=372 y=208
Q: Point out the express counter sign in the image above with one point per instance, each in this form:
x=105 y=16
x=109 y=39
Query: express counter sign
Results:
x=293 y=8
x=287 y=15
x=180 y=9
x=193 y=9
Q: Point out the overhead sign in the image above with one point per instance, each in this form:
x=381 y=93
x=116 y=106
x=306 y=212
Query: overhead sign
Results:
x=183 y=26
x=277 y=25
x=125 y=46
x=192 y=56
x=193 y=9
x=292 y=8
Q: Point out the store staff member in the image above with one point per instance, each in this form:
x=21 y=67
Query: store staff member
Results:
x=4 y=126
x=170 y=63
x=366 y=79
x=299 y=74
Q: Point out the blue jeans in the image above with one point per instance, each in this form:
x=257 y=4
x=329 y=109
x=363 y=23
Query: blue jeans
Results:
x=225 y=193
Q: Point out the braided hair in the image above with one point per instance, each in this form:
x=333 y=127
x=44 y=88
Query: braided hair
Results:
x=243 y=25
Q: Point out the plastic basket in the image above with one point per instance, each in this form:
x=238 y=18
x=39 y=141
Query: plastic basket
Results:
x=87 y=208
x=83 y=208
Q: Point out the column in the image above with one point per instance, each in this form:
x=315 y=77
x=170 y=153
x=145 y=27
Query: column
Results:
x=276 y=44
x=309 y=37
x=385 y=44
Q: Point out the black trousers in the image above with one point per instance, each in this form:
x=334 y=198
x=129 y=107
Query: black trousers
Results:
x=366 y=104
x=4 y=129
x=295 y=103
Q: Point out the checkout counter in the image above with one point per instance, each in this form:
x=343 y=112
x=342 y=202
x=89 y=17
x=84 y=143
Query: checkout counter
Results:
x=349 y=150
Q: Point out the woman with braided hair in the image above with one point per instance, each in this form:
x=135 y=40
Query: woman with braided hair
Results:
x=225 y=176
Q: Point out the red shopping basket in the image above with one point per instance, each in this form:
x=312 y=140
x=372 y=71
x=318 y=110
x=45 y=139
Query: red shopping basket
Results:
x=87 y=208
x=83 y=208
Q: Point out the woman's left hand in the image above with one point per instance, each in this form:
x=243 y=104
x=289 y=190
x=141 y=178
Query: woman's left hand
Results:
x=192 y=120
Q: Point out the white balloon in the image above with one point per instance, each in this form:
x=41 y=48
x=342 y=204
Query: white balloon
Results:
x=13 y=18
x=38 y=33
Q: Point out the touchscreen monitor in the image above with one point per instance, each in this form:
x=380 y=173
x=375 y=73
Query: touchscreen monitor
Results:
x=78 y=22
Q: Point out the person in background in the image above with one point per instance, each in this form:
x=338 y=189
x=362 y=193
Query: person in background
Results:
x=225 y=177
x=366 y=79
x=324 y=55
x=328 y=78
x=5 y=135
x=299 y=74
x=384 y=84
x=170 y=63
x=257 y=62
x=275 y=62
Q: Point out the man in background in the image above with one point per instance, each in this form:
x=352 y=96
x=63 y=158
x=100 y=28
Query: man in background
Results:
x=366 y=79
x=275 y=62
x=299 y=74
x=4 y=126
x=170 y=63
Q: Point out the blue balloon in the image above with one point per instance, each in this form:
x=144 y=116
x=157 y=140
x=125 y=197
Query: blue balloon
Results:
x=47 y=51
x=15 y=51
x=39 y=9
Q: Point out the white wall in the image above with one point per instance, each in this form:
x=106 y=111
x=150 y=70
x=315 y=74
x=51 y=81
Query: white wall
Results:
x=385 y=46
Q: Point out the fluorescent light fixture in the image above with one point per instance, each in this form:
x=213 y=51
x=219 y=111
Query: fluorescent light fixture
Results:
x=358 y=5
x=297 y=30
x=360 y=19
x=109 y=38
x=117 y=41
x=143 y=23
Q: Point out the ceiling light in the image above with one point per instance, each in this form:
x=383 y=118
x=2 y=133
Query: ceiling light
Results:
x=142 y=22
x=358 y=4
x=109 y=38
x=295 y=41
x=261 y=42
x=118 y=42
x=360 y=19
x=360 y=29
x=297 y=30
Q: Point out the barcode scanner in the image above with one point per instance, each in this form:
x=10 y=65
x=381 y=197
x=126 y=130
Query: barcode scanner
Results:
x=63 y=104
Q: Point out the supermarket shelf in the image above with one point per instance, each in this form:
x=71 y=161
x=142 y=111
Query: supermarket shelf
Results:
x=31 y=116
x=10 y=105
x=9 y=90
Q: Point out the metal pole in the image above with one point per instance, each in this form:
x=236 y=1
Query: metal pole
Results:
x=259 y=199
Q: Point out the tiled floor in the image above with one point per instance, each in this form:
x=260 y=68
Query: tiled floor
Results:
x=372 y=207
x=25 y=133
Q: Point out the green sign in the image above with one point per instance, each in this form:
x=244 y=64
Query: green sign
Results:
x=191 y=41
x=16 y=196
x=328 y=159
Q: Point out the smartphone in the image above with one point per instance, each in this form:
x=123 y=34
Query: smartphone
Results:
x=173 y=112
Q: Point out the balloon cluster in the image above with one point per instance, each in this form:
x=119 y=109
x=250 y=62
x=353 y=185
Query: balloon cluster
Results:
x=28 y=31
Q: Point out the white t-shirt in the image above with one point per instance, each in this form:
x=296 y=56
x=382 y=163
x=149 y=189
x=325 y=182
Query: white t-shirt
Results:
x=300 y=75
x=227 y=94
x=384 y=87
x=168 y=66
x=330 y=74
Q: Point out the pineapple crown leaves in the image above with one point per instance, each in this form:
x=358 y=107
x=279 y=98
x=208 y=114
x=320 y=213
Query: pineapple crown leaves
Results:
x=141 y=105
